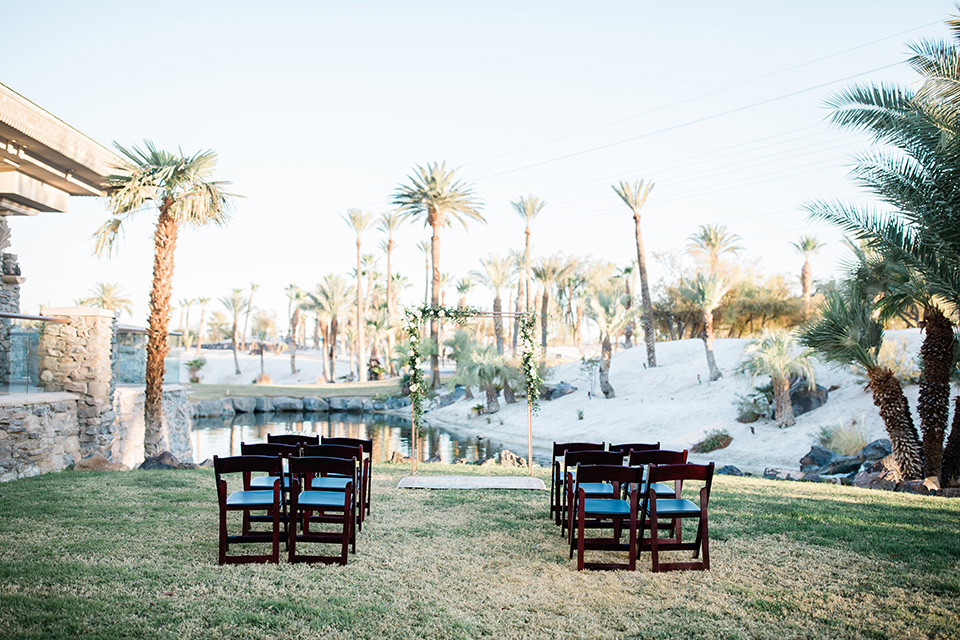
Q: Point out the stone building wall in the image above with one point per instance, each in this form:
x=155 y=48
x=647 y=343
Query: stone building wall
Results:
x=78 y=357
x=9 y=303
x=128 y=436
x=38 y=434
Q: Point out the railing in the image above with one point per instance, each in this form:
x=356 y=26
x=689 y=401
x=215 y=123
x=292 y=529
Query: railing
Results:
x=130 y=365
x=19 y=342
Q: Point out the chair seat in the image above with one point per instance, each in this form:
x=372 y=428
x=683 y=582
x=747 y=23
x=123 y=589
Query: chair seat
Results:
x=662 y=490
x=674 y=507
x=318 y=499
x=261 y=482
x=597 y=488
x=250 y=499
x=605 y=507
x=330 y=483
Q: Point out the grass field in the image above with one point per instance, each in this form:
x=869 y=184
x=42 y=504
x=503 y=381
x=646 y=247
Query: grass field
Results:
x=133 y=555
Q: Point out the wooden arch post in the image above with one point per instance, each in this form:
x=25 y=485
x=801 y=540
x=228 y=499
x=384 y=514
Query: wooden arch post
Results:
x=415 y=318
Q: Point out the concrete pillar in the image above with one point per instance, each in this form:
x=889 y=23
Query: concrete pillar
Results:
x=78 y=357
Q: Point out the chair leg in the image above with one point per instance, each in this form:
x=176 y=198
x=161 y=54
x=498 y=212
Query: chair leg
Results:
x=633 y=540
x=275 y=556
x=654 y=548
x=581 y=534
x=223 y=535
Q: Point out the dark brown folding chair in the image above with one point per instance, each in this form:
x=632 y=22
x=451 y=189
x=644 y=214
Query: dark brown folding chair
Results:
x=366 y=478
x=247 y=500
x=311 y=505
x=299 y=439
x=571 y=461
x=557 y=475
x=659 y=457
x=285 y=452
x=606 y=513
x=335 y=482
x=626 y=448
x=676 y=509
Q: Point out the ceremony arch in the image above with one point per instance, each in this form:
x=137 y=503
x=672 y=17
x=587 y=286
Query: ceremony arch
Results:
x=413 y=325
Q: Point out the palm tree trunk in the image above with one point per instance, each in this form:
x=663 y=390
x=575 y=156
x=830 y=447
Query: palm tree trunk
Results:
x=606 y=352
x=508 y=393
x=628 y=330
x=498 y=324
x=165 y=242
x=516 y=318
x=234 y=338
x=203 y=312
x=782 y=407
x=708 y=336
x=806 y=282
x=294 y=323
x=361 y=338
x=435 y=294
x=493 y=405
x=332 y=349
x=895 y=412
x=647 y=317
x=950 y=467
x=391 y=314
x=578 y=328
x=933 y=402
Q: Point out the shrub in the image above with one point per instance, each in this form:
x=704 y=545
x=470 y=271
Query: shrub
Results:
x=894 y=355
x=754 y=405
x=847 y=440
x=716 y=439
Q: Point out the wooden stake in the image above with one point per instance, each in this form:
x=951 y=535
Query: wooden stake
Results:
x=530 y=436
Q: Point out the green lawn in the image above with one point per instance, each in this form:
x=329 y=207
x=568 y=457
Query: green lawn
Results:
x=133 y=555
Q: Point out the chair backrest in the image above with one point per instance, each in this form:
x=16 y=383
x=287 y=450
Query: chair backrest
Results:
x=310 y=466
x=343 y=451
x=269 y=449
x=298 y=439
x=634 y=446
x=560 y=447
x=613 y=473
x=574 y=458
x=658 y=457
x=272 y=465
x=366 y=444
x=681 y=473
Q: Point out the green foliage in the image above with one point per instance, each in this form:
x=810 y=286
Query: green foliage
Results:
x=196 y=363
x=775 y=354
x=579 y=414
x=715 y=439
x=845 y=439
x=756 y=404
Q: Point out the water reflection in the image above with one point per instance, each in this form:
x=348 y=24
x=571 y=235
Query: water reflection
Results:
x=222 y=436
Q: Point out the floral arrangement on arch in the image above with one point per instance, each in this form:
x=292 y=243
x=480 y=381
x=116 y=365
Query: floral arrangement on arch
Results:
x=413 y=326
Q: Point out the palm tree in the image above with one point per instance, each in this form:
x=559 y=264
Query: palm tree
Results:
x=706 y=292
x=464 y=286
x=183 y=192
x=847 y=333
x=296 y=298
x=624 y=274
x=496 y=275
x=807 y=246
x=235 y=305
x=203 y=302
x=246 y=317
x=185 y=305
x=359 y=221
x=489 y=371
x=549 y=272
x=634 y=196
x=331 y=299
x=710 y=241
x=108 y=295
x=606 y=309
x=528 y=208
x=434 y=195
x=389 y=223
x=774 y=355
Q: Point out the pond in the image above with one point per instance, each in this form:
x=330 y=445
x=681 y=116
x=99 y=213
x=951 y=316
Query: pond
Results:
x=222 y=436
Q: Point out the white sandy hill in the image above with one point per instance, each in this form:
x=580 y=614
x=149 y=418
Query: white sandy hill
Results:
x=669 y=405
x=219 y=367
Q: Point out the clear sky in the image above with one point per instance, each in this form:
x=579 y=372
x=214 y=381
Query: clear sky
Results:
x=316 y=107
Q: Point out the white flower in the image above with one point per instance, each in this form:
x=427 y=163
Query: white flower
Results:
x=440 y=313
x=416 y=313
x=413 y=387
x=410 y=353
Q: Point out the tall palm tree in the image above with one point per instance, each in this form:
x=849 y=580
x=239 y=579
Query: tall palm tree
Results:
x=246 y=316
x=108 y=295
x=705 y=293
x=296 y=297
x=496 y=275
x=331 y=299
x=528 y=208
x=185 y=304
x=235 y=305
x=807 y=246
x=549 y=272
x=183 y=192
x=625 y=273
x=606 y=309
x=389 y=223
x=203 y=302
x=634 y=196
x=360 y=221
x=710 y=241
x=489 y=371
x=775 y=355
x=464 y=286
x=848 y=333
x=435 y=195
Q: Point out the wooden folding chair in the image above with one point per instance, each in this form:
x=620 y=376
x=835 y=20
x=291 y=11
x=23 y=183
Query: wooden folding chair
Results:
x=285 y=452
x=335 y=482
x=313 y=505
x=247 y=500
x=607 y=513
x=571 y=462
x=366 y=478
x=676 y=509
x=556 y=477
x=626 y=448
x=644 y=459
x=299 y=439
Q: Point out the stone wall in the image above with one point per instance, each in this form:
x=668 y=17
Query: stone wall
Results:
x=78 y=357
x=38 y=434
x=128 y=441
x=9 y=303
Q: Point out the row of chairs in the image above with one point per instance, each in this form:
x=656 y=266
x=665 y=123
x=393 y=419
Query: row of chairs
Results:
x=633 y=486
x=304 y=482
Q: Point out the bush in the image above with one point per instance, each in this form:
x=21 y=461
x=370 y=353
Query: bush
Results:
x=756 y=404
x=847 y=440
x=894 y=355
x=716 y=439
